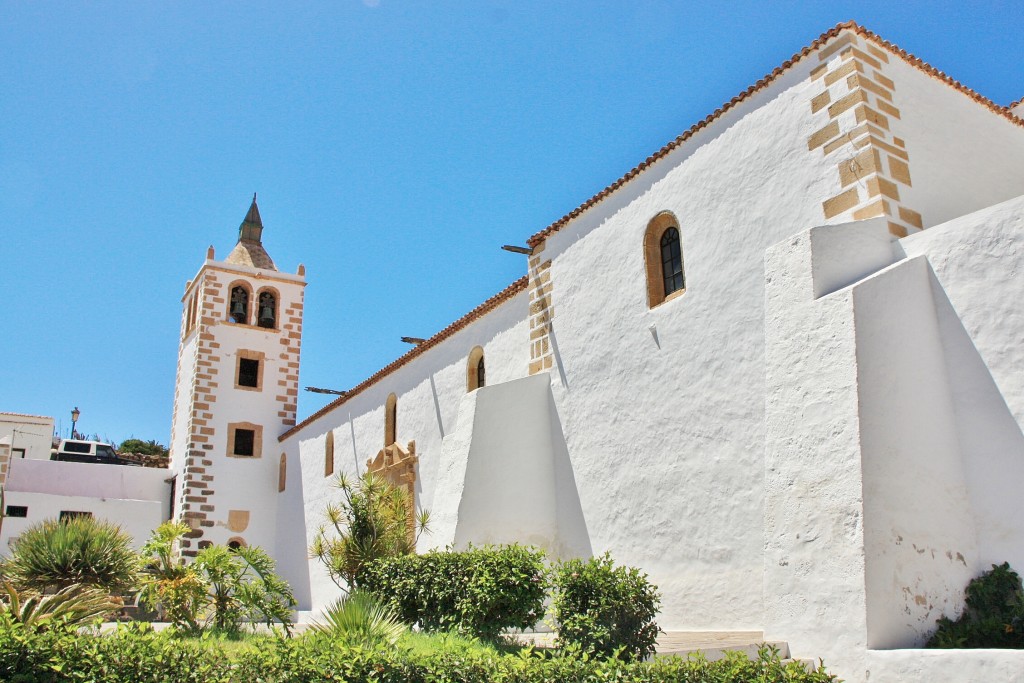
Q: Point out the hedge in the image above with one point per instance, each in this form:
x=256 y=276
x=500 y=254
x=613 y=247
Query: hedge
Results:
x=136 y=655
x=605 y=610
x=478 y=591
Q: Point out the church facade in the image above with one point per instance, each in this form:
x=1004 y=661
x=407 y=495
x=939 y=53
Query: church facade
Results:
x=776 y=366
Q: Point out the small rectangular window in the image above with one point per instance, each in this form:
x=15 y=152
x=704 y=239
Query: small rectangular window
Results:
x=248 y=372
x=17 y=511
x=244 y=440
x=18 y=452
x=72 y=514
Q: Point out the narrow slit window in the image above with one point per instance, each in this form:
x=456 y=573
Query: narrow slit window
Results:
x=481 y=373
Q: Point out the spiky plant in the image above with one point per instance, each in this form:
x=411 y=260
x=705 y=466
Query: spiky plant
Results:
x=73 y=605
x=370 y=522
x=359 y=619
x=53 y=555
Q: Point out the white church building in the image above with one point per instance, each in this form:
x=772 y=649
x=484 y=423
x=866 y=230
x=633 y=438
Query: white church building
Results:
x=777 y=366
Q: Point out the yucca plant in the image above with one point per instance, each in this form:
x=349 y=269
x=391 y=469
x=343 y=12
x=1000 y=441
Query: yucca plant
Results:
x=359 y=619
x=52 y=555
x=369 y=523
x=73 y=605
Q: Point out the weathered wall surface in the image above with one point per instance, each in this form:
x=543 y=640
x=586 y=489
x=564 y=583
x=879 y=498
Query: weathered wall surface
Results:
x=977 y=261
x=919 y=528
x=889 y=446
x=813 y=509
x=663 y=407
x=429 y=390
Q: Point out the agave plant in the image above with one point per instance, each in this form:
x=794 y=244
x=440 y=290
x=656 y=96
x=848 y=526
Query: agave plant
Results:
x=53 y=555
x=73 y=605
x=358 y=618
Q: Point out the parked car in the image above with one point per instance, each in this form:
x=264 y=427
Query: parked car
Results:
x=77 y=450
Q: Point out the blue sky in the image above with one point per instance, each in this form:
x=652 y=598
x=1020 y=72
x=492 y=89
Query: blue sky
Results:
x=394 y=144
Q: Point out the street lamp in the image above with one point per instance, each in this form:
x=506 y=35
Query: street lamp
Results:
x=74 y=418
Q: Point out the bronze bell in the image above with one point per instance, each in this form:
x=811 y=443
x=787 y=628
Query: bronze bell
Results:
x=267 y=315
x=238 y=312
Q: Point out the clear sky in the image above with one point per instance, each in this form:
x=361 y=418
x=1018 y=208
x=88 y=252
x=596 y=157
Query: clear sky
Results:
x=394 y=144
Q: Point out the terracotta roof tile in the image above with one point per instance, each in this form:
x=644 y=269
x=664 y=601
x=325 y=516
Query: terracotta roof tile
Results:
x=38 y=417
x=1014 y=104
x=252 y=254
x=418 y=350
x=759 y=85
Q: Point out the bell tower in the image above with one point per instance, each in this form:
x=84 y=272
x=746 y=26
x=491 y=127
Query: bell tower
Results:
x=236 y=391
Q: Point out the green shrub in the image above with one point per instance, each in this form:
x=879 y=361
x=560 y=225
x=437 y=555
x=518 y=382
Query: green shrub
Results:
x=360 y=618
x=136 y=654
x=479 y=592
x=605 y=610
x=73 y=605
x=993 y=615
x=223 y=587
x=52 y=555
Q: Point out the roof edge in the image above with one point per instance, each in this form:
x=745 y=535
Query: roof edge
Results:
x=769 y=78
x=418 y=350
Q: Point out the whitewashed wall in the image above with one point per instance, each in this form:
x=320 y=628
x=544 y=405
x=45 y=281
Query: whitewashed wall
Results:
x=663 y=407
x=29 y=432
x=135 y=498
x=663 y=410
x=888 y=449
x=429 y=391
x=963 y=156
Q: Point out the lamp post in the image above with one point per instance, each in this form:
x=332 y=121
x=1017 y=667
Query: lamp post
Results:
x=74 y=418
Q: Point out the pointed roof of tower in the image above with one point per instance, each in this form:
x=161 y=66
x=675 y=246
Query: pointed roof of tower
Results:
x=249 y=251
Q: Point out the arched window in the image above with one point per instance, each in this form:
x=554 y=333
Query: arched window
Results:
x=671 y=261
x=238 y=311
x=329 y=454
x=663 y=258
x=475 y=372
x=236 y=543
x=266 y=314
x=390 y=419
x=282 y=473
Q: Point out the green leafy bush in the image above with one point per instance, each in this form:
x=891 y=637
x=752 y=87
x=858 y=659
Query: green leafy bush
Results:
x=52 y=555
x=479 y=591
x=135 y=654
x=605 y=610
x=222 y=588
x=993 y=616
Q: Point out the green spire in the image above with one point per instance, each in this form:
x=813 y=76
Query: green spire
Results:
x=251 y=228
